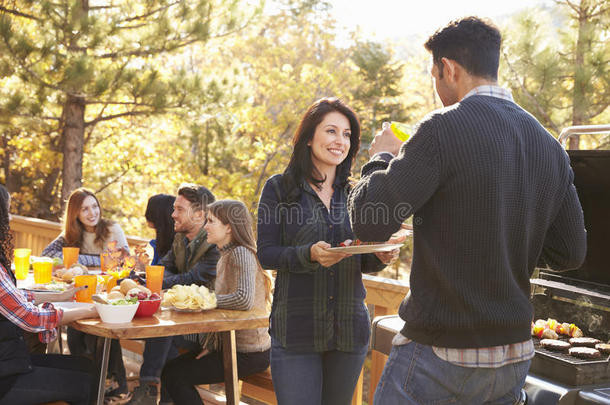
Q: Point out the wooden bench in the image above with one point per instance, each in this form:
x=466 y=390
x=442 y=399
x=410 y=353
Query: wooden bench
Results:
x=258 y=386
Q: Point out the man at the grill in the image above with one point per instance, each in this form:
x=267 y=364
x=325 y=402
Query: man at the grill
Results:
x=492 y=197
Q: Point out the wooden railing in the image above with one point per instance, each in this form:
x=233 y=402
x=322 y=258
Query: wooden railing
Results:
x=385 y=295
x=36 y=234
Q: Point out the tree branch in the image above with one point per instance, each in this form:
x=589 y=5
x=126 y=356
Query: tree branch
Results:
x=116 y=179
x=139 y=17
x=113 y=116
x=19 y=14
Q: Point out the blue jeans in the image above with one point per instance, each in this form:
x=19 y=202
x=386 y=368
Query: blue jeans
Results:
x=413 y=375
x=158 y=351
x=312 y=378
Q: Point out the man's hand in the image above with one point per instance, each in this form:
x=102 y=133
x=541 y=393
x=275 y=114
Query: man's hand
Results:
x=319 y=254
x=385 y=141
x=388 y=258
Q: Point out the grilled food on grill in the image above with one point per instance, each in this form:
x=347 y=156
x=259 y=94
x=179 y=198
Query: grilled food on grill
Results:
x=555 y=345
x=585 y=353
x=603 y=348
x=584 y=342
x=560 y=328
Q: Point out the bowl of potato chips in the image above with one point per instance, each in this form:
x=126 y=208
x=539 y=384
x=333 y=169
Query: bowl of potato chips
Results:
x=193 y=298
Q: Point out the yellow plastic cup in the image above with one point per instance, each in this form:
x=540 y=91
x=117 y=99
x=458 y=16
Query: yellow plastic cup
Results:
x=70 y=256
x=43 y=270
x=400 y=130
x=154 y=278
x=91 y=282
x=22 y=263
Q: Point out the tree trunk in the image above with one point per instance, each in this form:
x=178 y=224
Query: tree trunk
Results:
x=580 y=77
x=73 y=142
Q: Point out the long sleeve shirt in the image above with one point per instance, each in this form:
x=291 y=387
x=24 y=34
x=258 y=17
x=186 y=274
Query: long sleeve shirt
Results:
x=492 y=196
x=17 y=307
x=315 y=308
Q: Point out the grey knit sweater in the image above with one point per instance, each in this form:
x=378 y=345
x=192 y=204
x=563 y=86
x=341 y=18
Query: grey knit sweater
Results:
x=492 y=197
x=240 y=285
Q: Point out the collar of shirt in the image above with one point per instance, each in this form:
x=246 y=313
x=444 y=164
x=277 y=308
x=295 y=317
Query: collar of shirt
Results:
x=492 y=91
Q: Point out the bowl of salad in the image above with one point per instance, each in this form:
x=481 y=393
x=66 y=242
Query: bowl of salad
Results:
x=117 y=311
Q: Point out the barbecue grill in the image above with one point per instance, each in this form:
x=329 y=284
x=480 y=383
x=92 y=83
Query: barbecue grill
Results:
x=580 y=296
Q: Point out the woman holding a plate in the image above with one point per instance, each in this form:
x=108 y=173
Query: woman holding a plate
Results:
x=320 y=326
x=27 y=378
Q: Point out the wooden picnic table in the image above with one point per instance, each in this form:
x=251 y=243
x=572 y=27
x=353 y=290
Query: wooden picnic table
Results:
x=170 y=323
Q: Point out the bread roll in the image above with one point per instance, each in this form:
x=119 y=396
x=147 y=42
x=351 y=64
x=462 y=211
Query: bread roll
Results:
x=127 y=285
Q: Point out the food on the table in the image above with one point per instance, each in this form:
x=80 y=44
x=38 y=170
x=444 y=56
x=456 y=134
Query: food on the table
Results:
x=127 y=285
x=68 y=274
x=189 y=297
x=115 y=295
x=52 y=286
x=124 y=301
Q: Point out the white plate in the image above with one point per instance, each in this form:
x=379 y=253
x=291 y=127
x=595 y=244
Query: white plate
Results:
x=71 y=304
x=360 y=249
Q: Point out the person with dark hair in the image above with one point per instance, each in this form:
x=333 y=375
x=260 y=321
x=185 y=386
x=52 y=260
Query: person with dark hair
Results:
x=190 y=260
x=492 y=196
x=319 y=323
x=159 y=217
x=31 y=378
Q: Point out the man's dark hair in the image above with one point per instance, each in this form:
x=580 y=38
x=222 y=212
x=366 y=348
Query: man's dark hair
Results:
x=471 y=42
x=198 y=196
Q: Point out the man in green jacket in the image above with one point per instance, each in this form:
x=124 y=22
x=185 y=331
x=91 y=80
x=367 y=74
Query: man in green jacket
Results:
x=191 y=260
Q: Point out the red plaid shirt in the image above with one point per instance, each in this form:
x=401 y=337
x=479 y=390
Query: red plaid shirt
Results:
x=15 y=306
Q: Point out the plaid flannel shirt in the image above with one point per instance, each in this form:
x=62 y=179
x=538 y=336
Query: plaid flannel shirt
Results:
x=15 y=306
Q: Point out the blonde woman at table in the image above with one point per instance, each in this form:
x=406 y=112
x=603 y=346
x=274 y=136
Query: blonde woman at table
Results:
x=85 y=228
x=241 y=284
x=34 y=379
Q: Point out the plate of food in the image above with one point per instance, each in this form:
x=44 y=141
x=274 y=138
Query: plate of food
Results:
x=52 y=287
x=358 y=247
x=193 y=298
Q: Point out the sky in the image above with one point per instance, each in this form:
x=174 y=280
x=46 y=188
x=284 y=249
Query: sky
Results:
x=387 y=19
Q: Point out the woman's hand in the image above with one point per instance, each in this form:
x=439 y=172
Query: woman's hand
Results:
x=74 y=314
x=324 y=257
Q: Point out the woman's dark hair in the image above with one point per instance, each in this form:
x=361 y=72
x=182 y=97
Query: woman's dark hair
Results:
x=472 y=42
x=6 y=238
x=159 y=212
x=301 y=166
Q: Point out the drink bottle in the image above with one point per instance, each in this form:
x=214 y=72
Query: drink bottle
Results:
x=400 y=130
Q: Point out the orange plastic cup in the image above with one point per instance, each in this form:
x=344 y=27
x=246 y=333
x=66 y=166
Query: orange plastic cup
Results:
x=86 y=294
x=42 y=271
x=22 y=263
x=70 y=256
x=154 y=278
x=109 y=281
